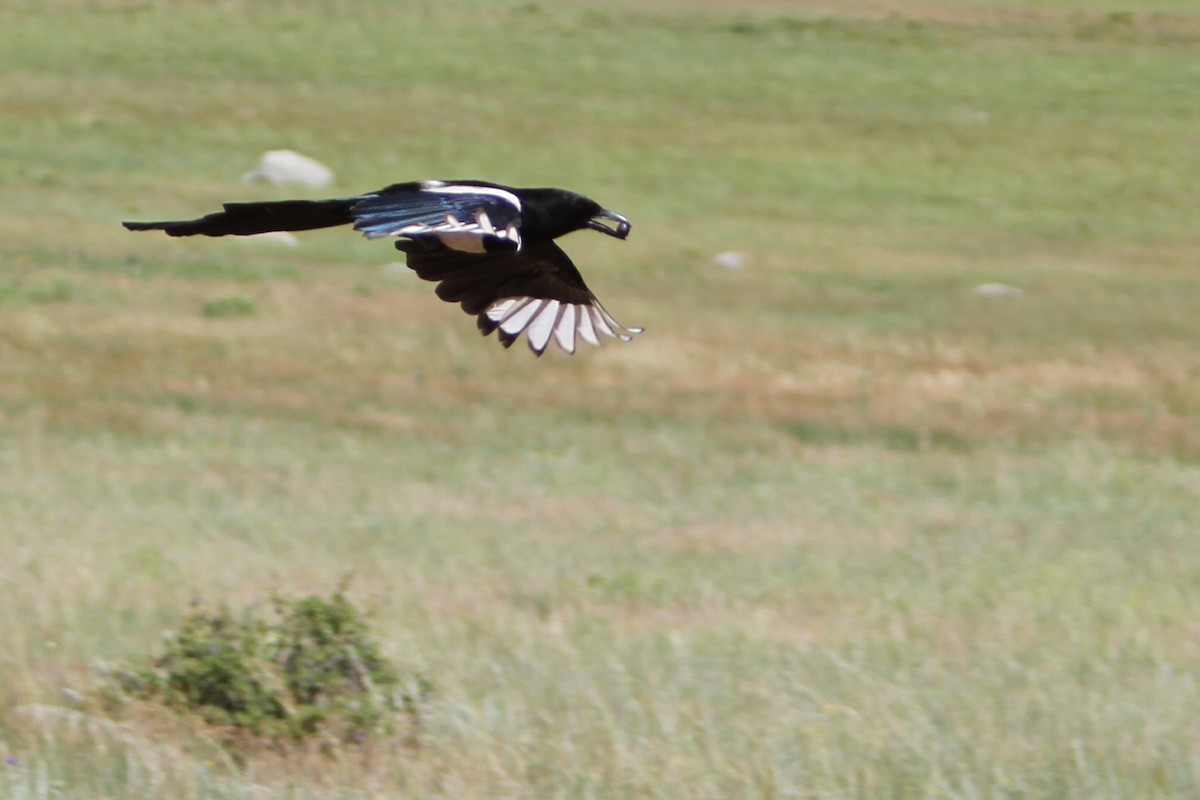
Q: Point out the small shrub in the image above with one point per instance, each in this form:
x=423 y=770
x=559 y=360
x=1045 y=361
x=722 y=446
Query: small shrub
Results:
x=311 y=670
x=233 y=305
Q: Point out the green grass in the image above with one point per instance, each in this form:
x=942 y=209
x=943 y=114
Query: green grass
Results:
x=834 y=526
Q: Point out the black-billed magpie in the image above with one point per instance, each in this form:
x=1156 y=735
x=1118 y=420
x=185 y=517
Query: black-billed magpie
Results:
x=489 y=247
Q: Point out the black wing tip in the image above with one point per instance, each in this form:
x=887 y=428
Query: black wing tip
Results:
x=488 y=326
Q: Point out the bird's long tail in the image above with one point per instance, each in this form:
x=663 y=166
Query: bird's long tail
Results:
x=245 y=219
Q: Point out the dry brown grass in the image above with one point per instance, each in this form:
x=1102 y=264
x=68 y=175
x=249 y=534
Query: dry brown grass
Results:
x=320 y=351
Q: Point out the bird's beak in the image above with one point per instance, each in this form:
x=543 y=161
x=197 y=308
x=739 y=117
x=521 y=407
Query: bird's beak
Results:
x=620 y=231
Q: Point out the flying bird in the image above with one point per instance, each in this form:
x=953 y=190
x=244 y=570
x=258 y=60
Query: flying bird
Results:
x=489 y=247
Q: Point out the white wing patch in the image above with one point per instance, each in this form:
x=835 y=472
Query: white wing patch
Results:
x=439 y=187
x=541 y=319
x=467 y=237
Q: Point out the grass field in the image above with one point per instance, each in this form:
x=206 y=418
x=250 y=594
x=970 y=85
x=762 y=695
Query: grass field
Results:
x=835 y=526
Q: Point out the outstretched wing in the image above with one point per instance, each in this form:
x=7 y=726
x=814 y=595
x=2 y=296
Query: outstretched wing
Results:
x=468 y=216
x=536 y=290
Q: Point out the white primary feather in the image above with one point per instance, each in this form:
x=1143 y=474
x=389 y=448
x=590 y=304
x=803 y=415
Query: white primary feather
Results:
x=610 y=325
x=499 y=309
x=542 y=326
x=598 y=319
x=517 y=319
x=587 y=331
x=541 y=319
x=564 y=328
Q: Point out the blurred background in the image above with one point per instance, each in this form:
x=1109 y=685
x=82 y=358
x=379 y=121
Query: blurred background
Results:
x=897 y=496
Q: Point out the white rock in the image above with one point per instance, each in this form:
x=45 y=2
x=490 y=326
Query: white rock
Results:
x=730 y=259
x=998 y=290
x=287 y=167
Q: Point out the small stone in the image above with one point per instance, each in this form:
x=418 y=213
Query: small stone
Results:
x=287 y=167
x=730 y=259
x=998 y=290
x=277 y=237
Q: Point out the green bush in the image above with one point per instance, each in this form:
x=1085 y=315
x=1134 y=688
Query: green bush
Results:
x=233 y=305
x=309 y=670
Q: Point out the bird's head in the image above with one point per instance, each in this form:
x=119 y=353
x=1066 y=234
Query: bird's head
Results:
x=550 y=213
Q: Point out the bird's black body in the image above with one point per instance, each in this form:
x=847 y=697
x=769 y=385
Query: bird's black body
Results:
x=490 y=248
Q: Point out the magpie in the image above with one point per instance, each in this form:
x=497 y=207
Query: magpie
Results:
x=489 y=248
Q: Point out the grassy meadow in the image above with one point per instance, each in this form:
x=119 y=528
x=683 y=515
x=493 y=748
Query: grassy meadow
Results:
x=836 y=526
